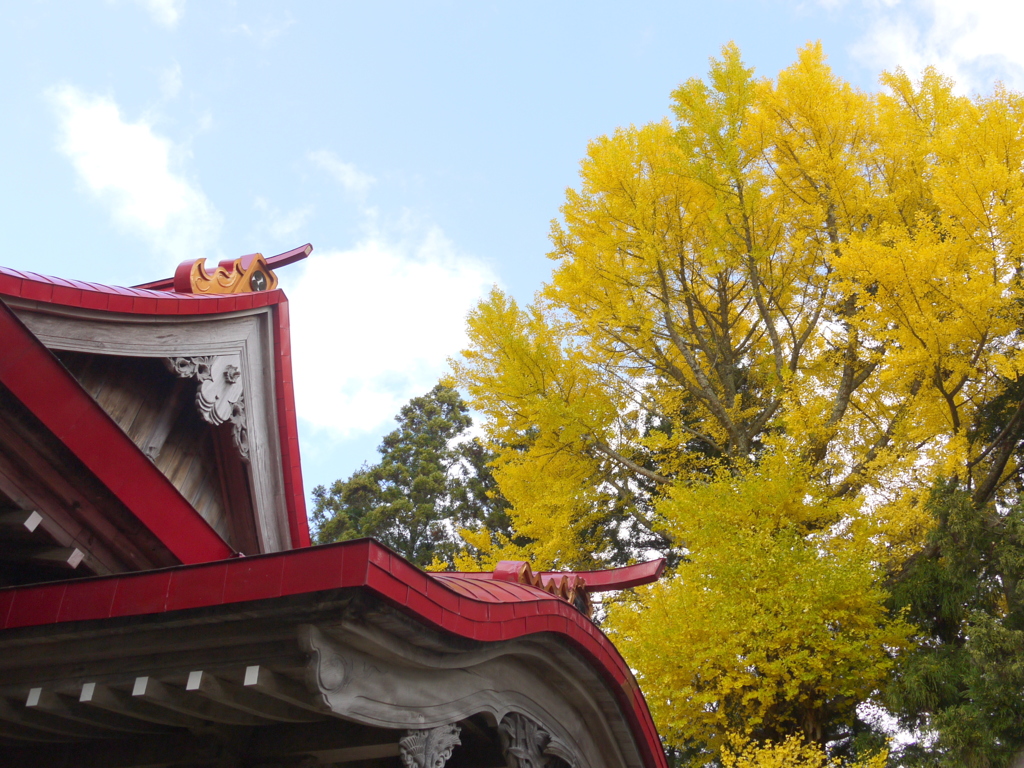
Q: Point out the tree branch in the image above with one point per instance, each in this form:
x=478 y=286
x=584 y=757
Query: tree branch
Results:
x=630 y=464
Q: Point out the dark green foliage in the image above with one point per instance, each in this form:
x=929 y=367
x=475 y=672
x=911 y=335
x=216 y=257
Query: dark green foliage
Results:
x=428 y=484
x=965 y=680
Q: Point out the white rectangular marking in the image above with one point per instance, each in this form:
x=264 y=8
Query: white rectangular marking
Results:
x=252 y=675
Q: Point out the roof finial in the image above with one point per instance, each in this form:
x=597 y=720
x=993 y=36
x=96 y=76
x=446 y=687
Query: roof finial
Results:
x=248 y=274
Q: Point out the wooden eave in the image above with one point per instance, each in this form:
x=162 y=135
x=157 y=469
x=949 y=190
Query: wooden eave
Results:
x=300 y=583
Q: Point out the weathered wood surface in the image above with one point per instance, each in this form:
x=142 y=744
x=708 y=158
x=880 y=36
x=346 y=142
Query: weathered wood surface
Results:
x=72 y=509
x=157 y=411
x=247 y=335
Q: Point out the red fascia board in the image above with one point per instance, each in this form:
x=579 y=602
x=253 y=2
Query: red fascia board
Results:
x=288 y=428
x=44 y=386
x=361 y=564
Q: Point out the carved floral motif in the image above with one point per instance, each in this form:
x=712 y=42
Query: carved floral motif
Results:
x=429 y=748
x=220 y=397
x=524 y=742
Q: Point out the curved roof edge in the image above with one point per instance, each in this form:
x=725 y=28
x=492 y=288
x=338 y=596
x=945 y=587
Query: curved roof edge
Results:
x=491 y=612
x=137 y=301
x=76 y=294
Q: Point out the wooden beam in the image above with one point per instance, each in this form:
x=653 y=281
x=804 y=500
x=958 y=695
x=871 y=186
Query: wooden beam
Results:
x=24 y=521
x=43 y=721
x=153 y=751
x=151 y=690
x=118 y=702
x=60 y=706
x=323 y=738
x=352 y=754
x=266 y=681
x=71 y=508
x=24 y=733
x=62 y=557
x=284 y=744
x=248 y=700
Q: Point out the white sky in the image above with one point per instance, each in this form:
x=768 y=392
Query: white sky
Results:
x=423 y=148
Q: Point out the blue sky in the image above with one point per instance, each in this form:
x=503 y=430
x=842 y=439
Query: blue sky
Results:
x=423 y=148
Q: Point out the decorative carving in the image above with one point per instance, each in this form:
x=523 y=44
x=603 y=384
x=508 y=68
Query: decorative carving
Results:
x=524 y=742
x=220 y=397
x=410 y=687
x=568 y=586
x=558 y=748
x=429 y=749
x=249 y=274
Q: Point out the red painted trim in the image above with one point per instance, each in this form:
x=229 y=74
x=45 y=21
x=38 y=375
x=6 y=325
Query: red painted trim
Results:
x=182 y=280
x=438 y=600
x=288 y=428
x=619 y=578
x=596 y=581
x=44 y=386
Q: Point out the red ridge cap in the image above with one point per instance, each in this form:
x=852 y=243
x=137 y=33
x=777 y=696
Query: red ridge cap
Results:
x=280 y=260
x=619 y=578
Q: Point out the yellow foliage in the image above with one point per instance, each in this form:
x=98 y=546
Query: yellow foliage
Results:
x=771 y=327
x=776 y=616
x=791 y=753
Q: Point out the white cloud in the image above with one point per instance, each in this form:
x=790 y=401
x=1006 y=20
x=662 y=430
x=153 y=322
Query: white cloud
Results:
x=170 y=82
x=267 y=29
x=165 y=12
x=973 y=42
x=374 y=325
x=351 y=178
x=129 y=168
x=281 y=225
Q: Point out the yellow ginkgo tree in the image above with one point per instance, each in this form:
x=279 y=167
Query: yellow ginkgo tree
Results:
x=773 y=325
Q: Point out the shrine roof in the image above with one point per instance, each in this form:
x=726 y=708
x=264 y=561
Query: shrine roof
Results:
x=469 y=606
x=159 y=299
x=155 y=298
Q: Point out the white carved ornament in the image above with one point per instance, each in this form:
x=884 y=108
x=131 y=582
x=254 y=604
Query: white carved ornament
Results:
x=524 y=742
x=393 y=693
x=220 y=397
x=429 y=748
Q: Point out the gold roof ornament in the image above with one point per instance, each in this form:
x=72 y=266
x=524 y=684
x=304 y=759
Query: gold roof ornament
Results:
x=248 y=274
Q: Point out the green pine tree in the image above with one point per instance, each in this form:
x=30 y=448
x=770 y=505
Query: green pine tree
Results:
x=430 y=482
x=961 y=688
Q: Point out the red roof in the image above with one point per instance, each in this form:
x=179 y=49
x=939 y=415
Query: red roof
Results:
x=473 y=608
x=148 y=301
